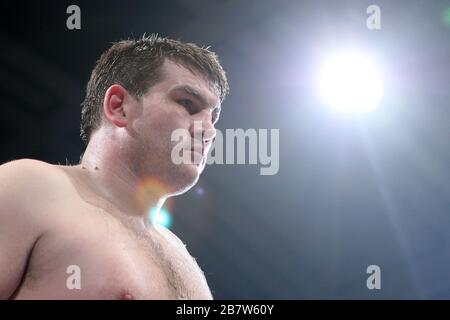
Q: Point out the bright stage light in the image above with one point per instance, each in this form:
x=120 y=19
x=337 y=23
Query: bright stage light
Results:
x=350 y=83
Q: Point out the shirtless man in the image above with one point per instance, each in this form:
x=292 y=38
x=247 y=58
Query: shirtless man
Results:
x=95 y=215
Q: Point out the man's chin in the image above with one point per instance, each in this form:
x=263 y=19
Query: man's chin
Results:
x=185 y=177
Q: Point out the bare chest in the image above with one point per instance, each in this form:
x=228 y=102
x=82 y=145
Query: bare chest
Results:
x=101 y=259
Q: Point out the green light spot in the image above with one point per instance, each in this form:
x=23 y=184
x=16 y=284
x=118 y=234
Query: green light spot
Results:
x=446 y=16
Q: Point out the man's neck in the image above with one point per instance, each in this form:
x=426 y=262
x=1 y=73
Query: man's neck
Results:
x=119 y=184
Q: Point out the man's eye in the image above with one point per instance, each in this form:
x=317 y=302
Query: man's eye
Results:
x=185 y=102
x=188 y=105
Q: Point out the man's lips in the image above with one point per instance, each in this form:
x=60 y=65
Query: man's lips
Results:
x=201 y=151
x=199 y=147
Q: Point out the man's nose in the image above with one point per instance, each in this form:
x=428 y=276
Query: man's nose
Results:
x=203 y=127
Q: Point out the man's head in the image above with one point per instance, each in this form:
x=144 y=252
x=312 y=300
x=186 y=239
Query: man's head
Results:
x=140 y=91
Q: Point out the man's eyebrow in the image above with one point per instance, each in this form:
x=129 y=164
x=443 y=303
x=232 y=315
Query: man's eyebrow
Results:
x=194 y=93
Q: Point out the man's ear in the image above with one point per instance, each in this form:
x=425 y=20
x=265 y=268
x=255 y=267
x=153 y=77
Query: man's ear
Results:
x=113 y=105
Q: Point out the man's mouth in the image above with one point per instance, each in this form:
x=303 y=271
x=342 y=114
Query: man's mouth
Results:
x=201 y=151
x=199 y=148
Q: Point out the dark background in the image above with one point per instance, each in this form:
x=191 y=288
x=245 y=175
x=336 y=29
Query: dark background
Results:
x=350 y=192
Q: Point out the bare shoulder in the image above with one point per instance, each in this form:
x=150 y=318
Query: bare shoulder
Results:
x=28 y=170
x=24 y=164
x=24 y=182
x=169 y=235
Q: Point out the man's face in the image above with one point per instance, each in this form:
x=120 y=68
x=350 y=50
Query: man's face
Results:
x=178 y=100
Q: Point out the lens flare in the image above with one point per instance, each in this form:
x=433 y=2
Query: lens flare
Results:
x=446 y=16
x=161 y=217
x=200 y=191
x=147 y=189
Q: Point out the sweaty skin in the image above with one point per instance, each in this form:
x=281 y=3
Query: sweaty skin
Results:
x=53 y=217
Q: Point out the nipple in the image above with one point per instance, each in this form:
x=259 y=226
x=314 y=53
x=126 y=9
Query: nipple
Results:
x=126 y=296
